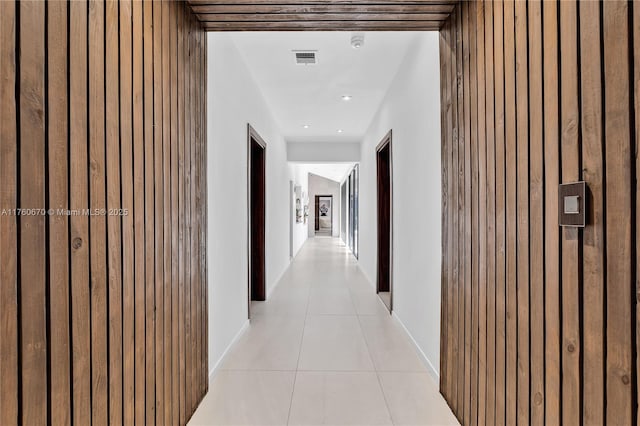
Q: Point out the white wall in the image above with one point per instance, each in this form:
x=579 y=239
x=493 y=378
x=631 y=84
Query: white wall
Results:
x=319 y=185
x=233 y=100
x=300 y=230
x=323 y=152
x=411 y=109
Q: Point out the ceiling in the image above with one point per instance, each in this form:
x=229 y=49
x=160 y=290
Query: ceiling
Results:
x=319 y=15
x=301 y=95
x=334 y=171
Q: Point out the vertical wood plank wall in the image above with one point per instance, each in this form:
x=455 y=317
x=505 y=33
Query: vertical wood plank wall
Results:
x=539 y=322
x=102 y=147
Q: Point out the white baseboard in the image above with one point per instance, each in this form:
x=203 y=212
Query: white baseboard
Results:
x=226 y=351
x=425 y=360
x=430 y=367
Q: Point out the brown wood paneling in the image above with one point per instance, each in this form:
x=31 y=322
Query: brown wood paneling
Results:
x=128 y=252
x=551 y=110
x=138 y=212
x=149 y=216
x=79 y=200
x=522 y=209
x=536 y=214
x=570 y=237
x=453 y=291
x=166 y=182
x=317 y=15
x=459 y=362
x=181 y=55
x=175 y=273
x=97 y=221
x=324 y=26
x=593 y=236
x=114 y=220
x=9 y=349
x=559 y=90
x=490 y=217
x=482 y=219
x=459 y=404
x=498 y=13
x=32 y=279
x=465 y=408
x=58 y=182
x=621 y=244
x=445 y=144
x=89 y=104
x=320 y=17
x=511 y=230
x=475 y=229
x=215 y=10
x=158 y=129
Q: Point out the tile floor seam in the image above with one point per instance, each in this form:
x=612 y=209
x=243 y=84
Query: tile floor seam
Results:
x=295 y=377
x=375 y=368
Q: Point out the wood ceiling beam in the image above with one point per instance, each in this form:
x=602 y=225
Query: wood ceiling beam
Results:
x=319 y=17
x=324 y=26
x=323 y=8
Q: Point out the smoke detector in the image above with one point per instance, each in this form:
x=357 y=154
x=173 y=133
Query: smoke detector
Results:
x=357 y=40
x=305 y=57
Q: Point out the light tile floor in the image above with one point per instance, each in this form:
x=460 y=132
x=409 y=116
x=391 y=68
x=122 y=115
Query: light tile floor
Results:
x=323 y=350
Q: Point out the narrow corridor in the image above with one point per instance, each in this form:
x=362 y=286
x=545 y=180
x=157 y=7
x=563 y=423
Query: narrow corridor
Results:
x=323 y=349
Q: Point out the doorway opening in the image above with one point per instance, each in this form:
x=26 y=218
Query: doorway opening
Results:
x=344 y=232
x=353 y=191
x=384 y=276
x=292 y=217
x=324 y=215
x=256 y=179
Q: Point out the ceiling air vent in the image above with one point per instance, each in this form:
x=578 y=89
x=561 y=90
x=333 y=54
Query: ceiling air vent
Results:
x=306 y=57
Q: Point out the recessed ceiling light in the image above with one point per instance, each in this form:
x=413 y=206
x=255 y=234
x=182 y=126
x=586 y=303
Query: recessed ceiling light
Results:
x=339 y=130
x=347 y=97
x=306 y=126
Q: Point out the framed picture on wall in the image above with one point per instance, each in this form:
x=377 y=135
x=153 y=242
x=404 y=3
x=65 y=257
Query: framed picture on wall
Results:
x=325 y=207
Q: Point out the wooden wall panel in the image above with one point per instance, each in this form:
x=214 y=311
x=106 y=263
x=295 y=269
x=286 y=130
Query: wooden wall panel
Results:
x=114 y=222
x=490 y=185
x=464 y=412
x=552 y=392
x=459 y=298
x=128 y=257
x=621 y=267
x=78 y=200
x=536 y=215
x=32 y=245
x=570 y=237
x=58 y=225
x=593 y=237
x=547 y=93
x=9 y=372
x=445 y=96
x=500 y=190
x=89 y=133
x=510 y=212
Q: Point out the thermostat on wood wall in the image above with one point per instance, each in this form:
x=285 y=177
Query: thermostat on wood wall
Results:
x=572 y=204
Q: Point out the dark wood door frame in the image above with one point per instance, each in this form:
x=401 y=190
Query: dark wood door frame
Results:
x=384 y=183
x=256 y=215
